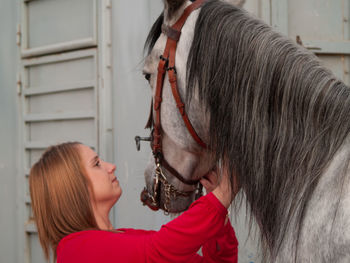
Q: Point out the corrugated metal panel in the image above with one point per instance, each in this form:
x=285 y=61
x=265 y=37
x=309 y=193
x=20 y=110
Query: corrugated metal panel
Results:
x=8 y=134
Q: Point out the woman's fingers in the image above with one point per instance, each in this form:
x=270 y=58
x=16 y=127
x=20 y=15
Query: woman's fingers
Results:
x=210 y=181
x=224 y=190
x=212 y=177
x=221 y=186
x=206 y=184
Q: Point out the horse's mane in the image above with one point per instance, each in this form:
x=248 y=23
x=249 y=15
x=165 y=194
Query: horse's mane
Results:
x=154 y=34
x=276 y=114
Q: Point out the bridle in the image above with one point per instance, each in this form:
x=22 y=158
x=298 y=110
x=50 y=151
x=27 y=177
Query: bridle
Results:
x=167 y=64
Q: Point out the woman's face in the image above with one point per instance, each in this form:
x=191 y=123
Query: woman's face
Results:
x=105 y=186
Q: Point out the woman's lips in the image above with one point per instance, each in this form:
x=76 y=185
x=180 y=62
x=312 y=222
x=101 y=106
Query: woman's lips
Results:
x=114 y=179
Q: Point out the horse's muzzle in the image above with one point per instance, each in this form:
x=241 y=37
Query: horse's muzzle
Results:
x=147 y=199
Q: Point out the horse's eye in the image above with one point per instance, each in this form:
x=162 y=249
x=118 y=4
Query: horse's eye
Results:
x=147 y=76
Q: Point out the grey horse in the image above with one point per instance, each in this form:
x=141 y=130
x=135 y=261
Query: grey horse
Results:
x=267 y=107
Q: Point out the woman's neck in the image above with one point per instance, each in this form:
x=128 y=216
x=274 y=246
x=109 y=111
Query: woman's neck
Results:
x=102 y=217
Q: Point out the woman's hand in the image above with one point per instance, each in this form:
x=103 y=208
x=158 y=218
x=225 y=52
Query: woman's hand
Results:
x=221 y=187
x=210 y=181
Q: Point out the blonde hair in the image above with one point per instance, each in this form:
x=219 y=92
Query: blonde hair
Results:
x=60 y=197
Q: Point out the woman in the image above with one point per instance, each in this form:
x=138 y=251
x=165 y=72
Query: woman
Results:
x=73 y=191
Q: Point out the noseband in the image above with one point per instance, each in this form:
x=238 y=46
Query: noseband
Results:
x=167 y=64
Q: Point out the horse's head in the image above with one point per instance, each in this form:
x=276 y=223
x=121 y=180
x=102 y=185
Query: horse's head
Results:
x=179 y=150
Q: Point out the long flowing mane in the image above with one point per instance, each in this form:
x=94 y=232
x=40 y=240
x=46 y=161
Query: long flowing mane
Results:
x=276 y=114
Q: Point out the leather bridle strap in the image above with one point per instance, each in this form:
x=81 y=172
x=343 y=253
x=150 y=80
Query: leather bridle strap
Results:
x=167 y=63
x=167 y=166
x=163 y=63
x=175 y=30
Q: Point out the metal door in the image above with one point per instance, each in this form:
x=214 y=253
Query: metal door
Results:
x=65 y=73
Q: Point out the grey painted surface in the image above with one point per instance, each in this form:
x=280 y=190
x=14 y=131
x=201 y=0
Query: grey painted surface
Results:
x=8 y=132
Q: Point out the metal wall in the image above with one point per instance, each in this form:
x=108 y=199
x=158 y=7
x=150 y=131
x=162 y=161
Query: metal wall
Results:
x=8 y=132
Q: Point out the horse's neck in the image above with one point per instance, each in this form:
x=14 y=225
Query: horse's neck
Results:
x=325 y=235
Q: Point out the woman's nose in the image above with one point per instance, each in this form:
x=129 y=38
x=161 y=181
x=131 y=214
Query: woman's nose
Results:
x=111 y=167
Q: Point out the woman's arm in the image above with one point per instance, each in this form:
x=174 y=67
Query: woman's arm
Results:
x=177 y=241
x=223 y=248
x=180 y=239
x=204 y=222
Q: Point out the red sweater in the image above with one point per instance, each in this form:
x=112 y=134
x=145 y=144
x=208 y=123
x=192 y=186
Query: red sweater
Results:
x=178 y=241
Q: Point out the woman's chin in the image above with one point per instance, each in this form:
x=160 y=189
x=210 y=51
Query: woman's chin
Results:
x=118 y=195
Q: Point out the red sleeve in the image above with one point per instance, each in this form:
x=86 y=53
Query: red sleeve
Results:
x=223 y=248
x=177 y=241
x=180 y=239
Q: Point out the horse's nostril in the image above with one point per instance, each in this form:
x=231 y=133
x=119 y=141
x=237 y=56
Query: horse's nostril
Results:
x=146 y=200
x=144 y=196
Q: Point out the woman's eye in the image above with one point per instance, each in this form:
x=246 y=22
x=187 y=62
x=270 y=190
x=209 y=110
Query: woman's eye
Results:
x=98 y=163
x=147 y=76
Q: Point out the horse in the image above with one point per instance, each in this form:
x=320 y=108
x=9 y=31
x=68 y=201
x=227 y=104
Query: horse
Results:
x=266 y=108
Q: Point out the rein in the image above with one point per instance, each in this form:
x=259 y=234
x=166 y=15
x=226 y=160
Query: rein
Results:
x=167 y=65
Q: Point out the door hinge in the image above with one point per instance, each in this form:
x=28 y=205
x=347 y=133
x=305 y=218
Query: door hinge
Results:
x=19 y=84
x=18 y=35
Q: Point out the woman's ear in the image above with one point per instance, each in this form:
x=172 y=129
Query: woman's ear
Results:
x=171 y=6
